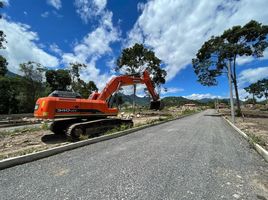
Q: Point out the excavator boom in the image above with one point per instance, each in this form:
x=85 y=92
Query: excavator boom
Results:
x=125 y=80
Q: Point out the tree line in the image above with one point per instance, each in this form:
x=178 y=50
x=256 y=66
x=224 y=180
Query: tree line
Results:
x=20 y=92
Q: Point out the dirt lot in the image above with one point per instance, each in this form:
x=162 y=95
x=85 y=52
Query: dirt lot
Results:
x=23 y=141
x=254 y=124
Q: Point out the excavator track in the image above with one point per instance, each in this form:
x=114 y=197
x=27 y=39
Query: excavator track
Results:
x=75 y=128
x=59 y=127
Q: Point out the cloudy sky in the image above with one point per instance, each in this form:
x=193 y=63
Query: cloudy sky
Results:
x=57 y=32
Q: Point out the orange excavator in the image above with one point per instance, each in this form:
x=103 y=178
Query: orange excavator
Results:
x=75 y=116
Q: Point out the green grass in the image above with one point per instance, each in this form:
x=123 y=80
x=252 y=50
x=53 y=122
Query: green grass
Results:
x=188 y=111
x=255 y=139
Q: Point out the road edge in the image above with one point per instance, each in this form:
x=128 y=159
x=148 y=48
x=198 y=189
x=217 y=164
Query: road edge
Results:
x=257 y=147
x=10 y=162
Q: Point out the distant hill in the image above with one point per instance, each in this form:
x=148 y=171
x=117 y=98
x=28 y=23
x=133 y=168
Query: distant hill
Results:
x=11 y=74
x=178 y=101
x=206 y=100
x=142 y=101
x=169 y=101
x=210 y=100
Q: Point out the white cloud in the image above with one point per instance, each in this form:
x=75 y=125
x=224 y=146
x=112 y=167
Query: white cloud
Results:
x=128 y=90
x=247 y=59
x=22 y=46
x=6 y=2
x=100 y=4
x=92 y=47
x=87 y=9
x=252 y=75
x=52 y=13
x=202 y=96
x=140 y=6
x=55 y=3
x=171 y=90
x=55 y=49
x=45 y=14
x=176 y=30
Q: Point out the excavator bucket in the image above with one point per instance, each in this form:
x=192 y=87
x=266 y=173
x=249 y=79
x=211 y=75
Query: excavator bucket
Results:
x=156 y=105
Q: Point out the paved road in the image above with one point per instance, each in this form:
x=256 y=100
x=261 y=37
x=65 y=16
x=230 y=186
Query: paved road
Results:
x=198 y=157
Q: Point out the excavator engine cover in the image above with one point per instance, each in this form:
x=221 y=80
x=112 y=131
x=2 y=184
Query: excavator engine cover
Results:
x=156 y=105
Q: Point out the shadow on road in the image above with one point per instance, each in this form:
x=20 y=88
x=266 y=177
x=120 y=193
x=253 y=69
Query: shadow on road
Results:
x=213 y=115
x=54 y=139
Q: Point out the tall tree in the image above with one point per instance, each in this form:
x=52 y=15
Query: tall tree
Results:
x=3 y=66
x=75 y=70
x=264 y=89
x=58 y=79
x=85 y=89
x=77 y=84
x=2 y=35
x=3 y=61
x=33 y=74
x=91 y=87
x=214 y=55
x=5 y=95
x=138 y=58
x=255 y=90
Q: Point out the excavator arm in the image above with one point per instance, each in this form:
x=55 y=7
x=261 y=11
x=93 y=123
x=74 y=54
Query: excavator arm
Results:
x=125 y=80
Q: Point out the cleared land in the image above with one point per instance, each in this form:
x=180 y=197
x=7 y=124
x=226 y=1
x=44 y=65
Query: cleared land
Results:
x=254 y=124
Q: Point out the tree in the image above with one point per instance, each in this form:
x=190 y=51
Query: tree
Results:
x=5 y=96
x=58 y=79
x=75 y=69
x=2 y=35
x=136 y=59
x=264 y=89
x=255 y=90
x=3 y=66
x=10 y=89
x=85 y=89
x=77 y=84
x=91 y=86
x=117 y=99
x=3 y=62
x=33 y=74
x=214 y=55
x=2 y=39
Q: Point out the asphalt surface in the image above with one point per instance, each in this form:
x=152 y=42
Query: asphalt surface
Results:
x=197 y=157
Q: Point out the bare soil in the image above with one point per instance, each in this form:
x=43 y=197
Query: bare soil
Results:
x=21 y=143
x=253 y=125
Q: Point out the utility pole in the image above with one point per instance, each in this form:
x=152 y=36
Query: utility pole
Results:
x=231 y=91
x=134 y=96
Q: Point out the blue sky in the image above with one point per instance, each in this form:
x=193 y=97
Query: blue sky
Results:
x=56 y=32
